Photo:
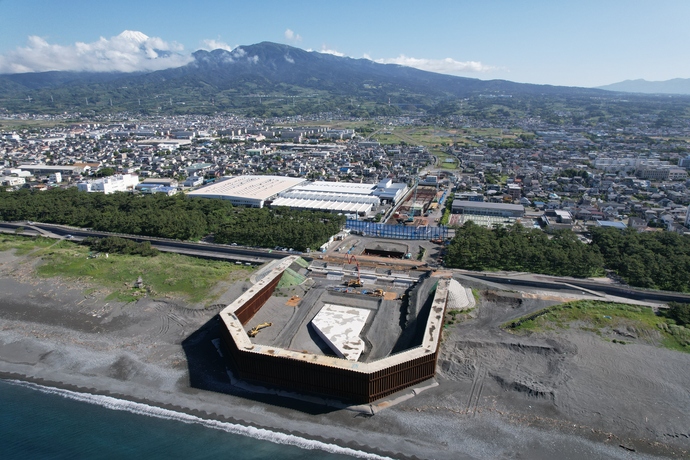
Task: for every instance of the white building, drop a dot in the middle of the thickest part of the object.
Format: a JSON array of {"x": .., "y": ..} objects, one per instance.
[
  {"x": 12, "y": 181},
  {"x": 251, "y": 191},
  {"x": 112, "y": 184}
]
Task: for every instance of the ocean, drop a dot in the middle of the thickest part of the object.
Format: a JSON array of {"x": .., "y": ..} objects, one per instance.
[{"x": 39, "y": 422}]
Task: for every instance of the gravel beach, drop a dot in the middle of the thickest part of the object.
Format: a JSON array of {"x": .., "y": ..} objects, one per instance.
[{"x": 567, "y": 394}]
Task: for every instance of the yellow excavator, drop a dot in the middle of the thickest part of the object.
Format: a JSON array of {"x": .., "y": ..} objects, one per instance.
[
  {"x": 376, "y": 293},
  {"x": 358, "y": 281},
  {"x": 255, "y": 330}
]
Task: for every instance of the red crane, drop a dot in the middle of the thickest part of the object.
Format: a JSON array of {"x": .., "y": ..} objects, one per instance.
[{"x": 358, "y": 282}]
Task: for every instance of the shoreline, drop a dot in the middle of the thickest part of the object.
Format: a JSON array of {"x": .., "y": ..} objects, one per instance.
[
  {"x": 568, "y": 395},
  {"x": 188, "y": 415}
]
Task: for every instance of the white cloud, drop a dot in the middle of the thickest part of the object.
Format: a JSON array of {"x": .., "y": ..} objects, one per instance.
[
  {"x": 326, "y": 50},
  {"x": 447, "y": 66},
  {"x": 289, "y": 59},
  {"x": 291, "y": 36},
  {"x": 211, "y": 44},
  {"x": 128, "y": 52}
]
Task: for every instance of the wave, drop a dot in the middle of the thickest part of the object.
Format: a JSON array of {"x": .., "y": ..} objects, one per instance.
[{"x": 152, "y": 411}]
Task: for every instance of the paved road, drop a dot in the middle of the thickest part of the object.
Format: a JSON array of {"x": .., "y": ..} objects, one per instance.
[
  {"x": 573, "y": 284},
  {"x": 206, "y": 250},
  {"x": 260, "y": 256}
]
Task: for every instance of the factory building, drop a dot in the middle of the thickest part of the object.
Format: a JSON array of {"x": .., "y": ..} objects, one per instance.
[
  {"x": 46, "y": 170},
  {"x": 478, "y": 208},
  {"x": 338, "y": 197},
  {"x": 249, "y": 191}
]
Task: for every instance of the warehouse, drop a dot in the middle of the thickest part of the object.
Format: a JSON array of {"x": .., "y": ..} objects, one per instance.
[
  {"x": 250, "y": 191},
  {"x": 339, "y": 197},
  {"x": 322, "y": 201},
  {"x": 480, "y": 208},
  {"x": 343, "y": 197}
]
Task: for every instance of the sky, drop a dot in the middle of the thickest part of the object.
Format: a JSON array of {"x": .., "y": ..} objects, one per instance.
[{"x": 558, "y": 42}]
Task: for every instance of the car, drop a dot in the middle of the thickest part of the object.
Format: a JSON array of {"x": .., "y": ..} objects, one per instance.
[{"x": 69, "y": 237}]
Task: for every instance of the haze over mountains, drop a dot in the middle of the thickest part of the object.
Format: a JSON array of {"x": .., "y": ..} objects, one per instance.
[
  {"x": 231, "y": 80},
  {"x": 674, "y": 86}
]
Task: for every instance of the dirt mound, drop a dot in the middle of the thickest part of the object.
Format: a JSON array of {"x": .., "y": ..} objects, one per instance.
[{"x": 529, "y": 369}]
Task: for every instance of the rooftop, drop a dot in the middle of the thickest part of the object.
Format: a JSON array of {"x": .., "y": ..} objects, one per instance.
[{"x": 250, "y": 187}]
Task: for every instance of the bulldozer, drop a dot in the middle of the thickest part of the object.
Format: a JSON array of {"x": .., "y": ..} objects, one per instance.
[{"x": 255, "y": 330}]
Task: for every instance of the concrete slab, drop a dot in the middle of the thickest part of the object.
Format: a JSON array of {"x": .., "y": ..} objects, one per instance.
[{"x": 340, "y": 327}]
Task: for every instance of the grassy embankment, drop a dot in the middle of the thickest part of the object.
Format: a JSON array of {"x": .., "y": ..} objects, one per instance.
[
  {"x": 188, "y": 278},
  {"x": 604, "y": 318}
]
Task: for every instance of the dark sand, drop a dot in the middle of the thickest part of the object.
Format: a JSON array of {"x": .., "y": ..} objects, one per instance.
[{"x": 567, "y": 395}]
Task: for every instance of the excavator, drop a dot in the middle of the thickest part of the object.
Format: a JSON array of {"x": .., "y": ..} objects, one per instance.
[
  {"x": 358, "y": 281},
  {"x": 376, "y": 293},
  {"x": 255, "y": 330}
]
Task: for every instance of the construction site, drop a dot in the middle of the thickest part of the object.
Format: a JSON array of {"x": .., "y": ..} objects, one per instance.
[
  {"x": 339, "y": 331},
  {"x": 418, "y": 206}
]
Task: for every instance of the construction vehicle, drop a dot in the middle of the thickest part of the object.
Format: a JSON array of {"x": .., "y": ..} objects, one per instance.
[
  {"x": 255, "y": 330},
  {"x": 375, "y": 293},
  {"x": 358, "y": 281}
]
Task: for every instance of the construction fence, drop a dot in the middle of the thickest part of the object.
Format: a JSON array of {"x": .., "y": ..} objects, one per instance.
[{"x": 403, "y": 232}]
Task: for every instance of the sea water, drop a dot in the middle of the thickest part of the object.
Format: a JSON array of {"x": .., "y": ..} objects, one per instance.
[{"x": 39, "y": 422}]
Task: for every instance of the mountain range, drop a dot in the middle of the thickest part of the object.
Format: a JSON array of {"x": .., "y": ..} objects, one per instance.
[
  {"x": 674, "y": 86},
  {"x": 260, "y": 79}
]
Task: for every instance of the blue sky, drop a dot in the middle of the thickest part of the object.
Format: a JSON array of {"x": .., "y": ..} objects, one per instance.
[{"x": 575, "y": 43}]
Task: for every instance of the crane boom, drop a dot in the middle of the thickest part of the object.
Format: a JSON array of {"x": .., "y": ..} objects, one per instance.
[{"x": 350, "y": 258}]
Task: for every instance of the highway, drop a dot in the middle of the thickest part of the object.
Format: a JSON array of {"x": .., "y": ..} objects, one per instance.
[
  {"x": 573, "y": 284},
  {"x": 256, "y": 256},
  {"x": 206, "y": 250}
]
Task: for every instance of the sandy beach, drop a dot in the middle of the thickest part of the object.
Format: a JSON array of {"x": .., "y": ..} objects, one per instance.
[{"x": 567, "y": 394}]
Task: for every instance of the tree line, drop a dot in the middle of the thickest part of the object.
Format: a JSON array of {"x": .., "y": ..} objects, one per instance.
[
  {"x": 283, "y": 227},
  {"x": 117, "y": 245},
  {"x": 520, "y": 249},
  {"x": 176, "y": 217},
  {"x": 655, "y": 260}
]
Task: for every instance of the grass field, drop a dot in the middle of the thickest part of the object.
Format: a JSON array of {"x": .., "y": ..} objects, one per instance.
[
  {"x": 430, "y": 136},
  {"x": 604, "y": 318},
  {"x": 12, "y": 124},
  {"x": 189, "y": 278},
  {"x": 23, "y": 245},
  {"x": 442, "y": 157}
]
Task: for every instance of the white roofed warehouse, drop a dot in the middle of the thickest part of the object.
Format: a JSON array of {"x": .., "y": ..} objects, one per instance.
[
  {"x": 296, "y": 193},
  {"x": 249, "y": 191}
]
